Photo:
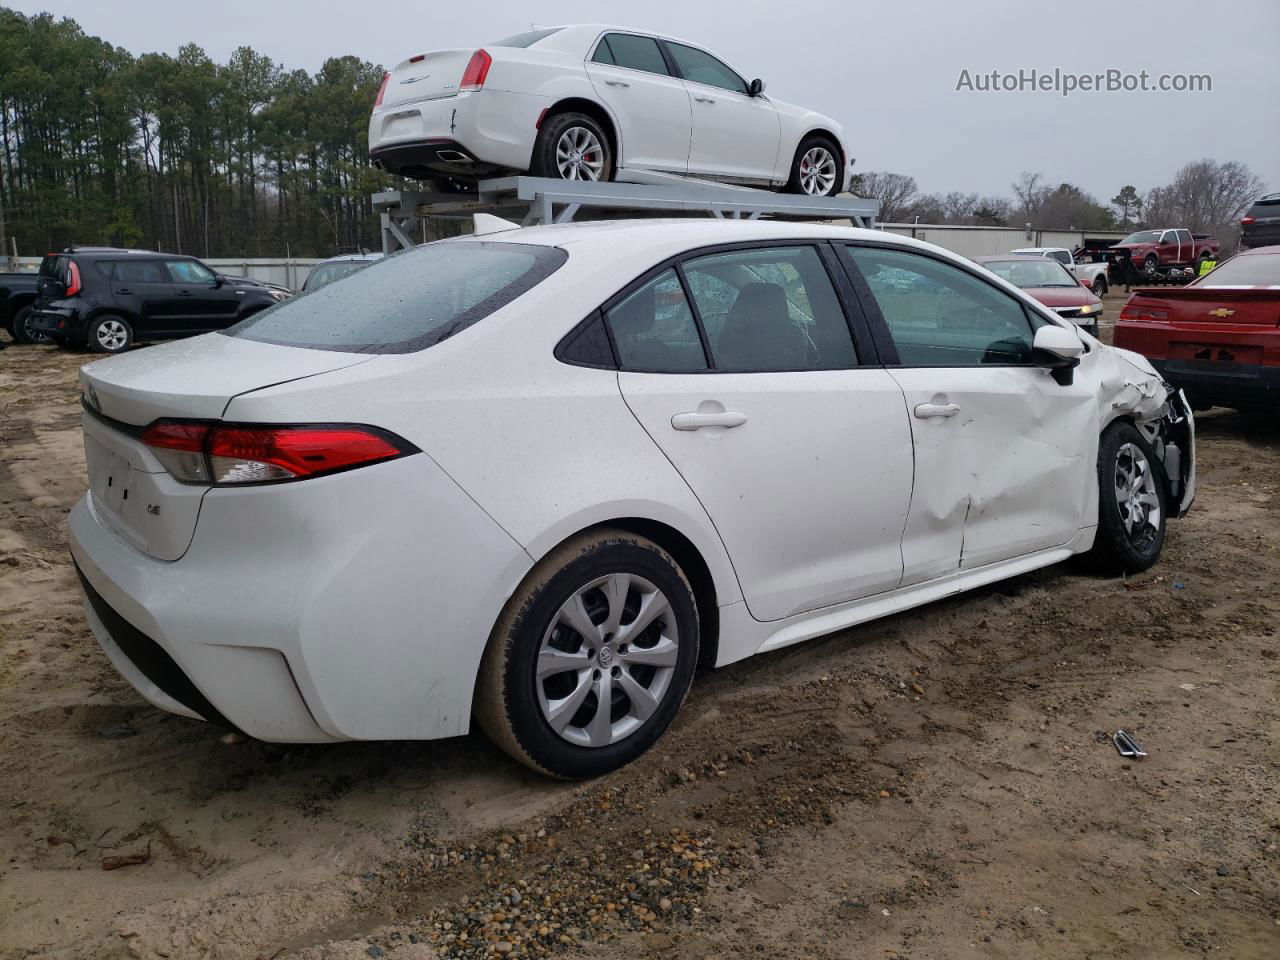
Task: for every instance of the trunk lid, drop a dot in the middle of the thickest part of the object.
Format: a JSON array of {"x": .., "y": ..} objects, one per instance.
[
  {"x": 1202, "y": 304},
  {"x": 130, "y": 491},
  {"x": 437, "y": 74}
]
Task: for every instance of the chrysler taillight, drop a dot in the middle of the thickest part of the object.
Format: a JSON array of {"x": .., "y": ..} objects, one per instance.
[
  {"x": 382, "y": 90},
  {"x": 477, "y": 71},
  {"x": 216, "y": 453}
]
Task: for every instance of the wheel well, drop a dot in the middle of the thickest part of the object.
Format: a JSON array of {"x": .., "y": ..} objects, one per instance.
[
  {"x": 695, "y": 568},
  {"x": 823, "y": 132},
  {"x": 595, "y": 112}
]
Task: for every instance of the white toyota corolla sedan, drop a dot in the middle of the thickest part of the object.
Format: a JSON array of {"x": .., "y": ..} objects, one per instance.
[
  {"x": 537, "y": 476},
  {"x": 591, "y": 102}
]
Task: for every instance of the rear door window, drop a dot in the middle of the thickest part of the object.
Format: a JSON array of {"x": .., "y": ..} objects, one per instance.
[{"x": 408, "y": 301}]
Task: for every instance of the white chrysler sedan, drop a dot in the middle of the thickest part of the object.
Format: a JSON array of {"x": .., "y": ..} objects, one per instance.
[
  {"x": 591, "y": 102},
  {"x": 537, "y": 476}
]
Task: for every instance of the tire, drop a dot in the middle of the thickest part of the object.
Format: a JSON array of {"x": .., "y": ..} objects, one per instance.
[
  {"x": 22, "y": 332},
  {"x": 1122, "y": 546},
  {"x": 515, "y": 706},
  {"x": 813, "y": 175},
  {"x": 572, "y": 146},
  {"x": 1151, "y": 263},
  {"x": 109, "y": 334},
  {"x": 1099, "y": 287}
]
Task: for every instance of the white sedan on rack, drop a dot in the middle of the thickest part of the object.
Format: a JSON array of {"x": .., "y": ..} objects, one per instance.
[
  {"x": 537, "y": 476},
  {"x": 591, "y": 102}
]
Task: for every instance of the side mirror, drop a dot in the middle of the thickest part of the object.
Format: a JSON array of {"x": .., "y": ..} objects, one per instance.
[
  {"x": 217, "y": 281},
  {"x": 756, "y": 87},
  {"x": 1058, "y": 349}
]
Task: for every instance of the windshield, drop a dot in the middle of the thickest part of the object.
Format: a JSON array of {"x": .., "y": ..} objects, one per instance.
[
  {"x": 326, "y": 273},
  {"x": 1032, "y": 273},
  {"x": 407, "y": 301},
  {"x": 1143, "y": 236},
  {"x": 1255, "y": 270}
]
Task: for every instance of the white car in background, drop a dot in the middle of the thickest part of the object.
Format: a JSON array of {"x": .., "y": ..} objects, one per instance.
[
  {"x": 591, "y": 102},
  {"x": 537, "y": 476}
]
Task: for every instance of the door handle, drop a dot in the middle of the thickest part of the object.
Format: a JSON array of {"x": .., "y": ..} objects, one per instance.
[
  {"x": 928, "y": 411},
  {"x": 617, "y": 83},
  {"x": 124, "y": 290},
  {"x": 704, "y": 99},
  {"x": 184, "y": 293},
  {"x": 696, "y": 421}
]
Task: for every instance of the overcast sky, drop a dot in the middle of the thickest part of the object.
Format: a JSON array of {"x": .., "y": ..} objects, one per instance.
[{"x": 887, "y": 70}]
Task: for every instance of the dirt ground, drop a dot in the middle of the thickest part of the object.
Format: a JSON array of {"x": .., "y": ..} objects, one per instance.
[{"x": 935, "y": 785}]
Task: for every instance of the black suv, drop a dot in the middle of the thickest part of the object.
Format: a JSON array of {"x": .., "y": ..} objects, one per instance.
[
  {"x": 106, "y": 298},
  {"x": 1260, "y": 226}
]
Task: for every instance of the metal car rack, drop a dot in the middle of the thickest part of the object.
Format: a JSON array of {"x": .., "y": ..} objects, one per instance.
[{"x": 543, "y": 200}]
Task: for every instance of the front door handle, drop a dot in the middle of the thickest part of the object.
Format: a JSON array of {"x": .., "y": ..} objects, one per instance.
[
  {"x": 696, "y": 421},
  {"x": 928, "y": 411},
  {"x": 184, "y": 293},
  {"x": 124, "y": 290},
  {"x": 704, "y": 99},
  {"x": 617, "y": 83}
]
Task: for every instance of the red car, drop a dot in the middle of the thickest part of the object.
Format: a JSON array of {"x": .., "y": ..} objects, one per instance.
[
  {"x": 1217, "y": 338},
  {"x": 1050, "y": 282},
  {"x": 1157, "y": 251}
]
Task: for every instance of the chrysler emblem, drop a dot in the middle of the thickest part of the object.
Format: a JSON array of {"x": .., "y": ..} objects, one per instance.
[{"x": 1222, "y": 313}]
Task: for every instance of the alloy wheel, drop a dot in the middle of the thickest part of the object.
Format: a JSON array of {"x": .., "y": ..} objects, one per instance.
[
  {"x": 1137, "y": 499},
  {"x": 112, "y": 335},
  {"x": 606, "y": 660},
  {"x": 33, "y": 335},
  {"x": 817, "y": 171},
  {"x": 579, "y": 155}
]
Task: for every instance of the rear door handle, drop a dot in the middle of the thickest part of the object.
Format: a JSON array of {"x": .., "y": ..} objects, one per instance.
[
  {"x": 617, "y": 83},
  {"x": 184, "y": 293},
  {"x": 124, "y": 290},
  {"x": 696, "y": 421},
  {"x": 928, "y": 411}
]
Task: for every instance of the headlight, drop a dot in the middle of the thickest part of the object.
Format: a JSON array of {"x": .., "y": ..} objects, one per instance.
[
  {"x": 279, "y": 295},
  {"x": 1090, "y": 308}
]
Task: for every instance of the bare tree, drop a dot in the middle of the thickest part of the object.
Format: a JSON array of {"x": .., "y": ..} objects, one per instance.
[
  {"x": 895, "y": 191},
  {"x": 1204, "y": 196},
  {"x": 958, "y": 207},
  {"x": 1031, "y": 193}
]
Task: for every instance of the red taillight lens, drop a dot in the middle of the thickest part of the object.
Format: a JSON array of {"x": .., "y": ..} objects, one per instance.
[
  {"x": 418, "y": 59},
  {"x": 382, "y": 90},
  {"x": 477, "y": 71},
  {"x": 1143, "y": 313},
  {"x": 213, "y": 453},
  {"x": 1245, "y": 221},
  {"x": 73, "y": 282}
]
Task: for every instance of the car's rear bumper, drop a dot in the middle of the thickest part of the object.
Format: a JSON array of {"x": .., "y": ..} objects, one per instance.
[
  {"x": 349, "y": 607},
  {"x": 465, "y": 136},
  {"x": 1221, "y": 383}
]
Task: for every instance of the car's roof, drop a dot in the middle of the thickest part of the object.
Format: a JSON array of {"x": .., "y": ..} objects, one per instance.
[
  {"x": 352, "y": 258},
  {"x": 1265, "y": 251},
  {"x": 1009, "y": 256}
]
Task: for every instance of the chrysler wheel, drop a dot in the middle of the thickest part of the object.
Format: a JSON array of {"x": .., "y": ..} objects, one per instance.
[
  {"x": 572, "y": 146},
  {"x": 817, "y": 172},
  {"x": 1131, "y": 502},
  {"x": 592, "y": 657},
  {"x": 109, "y": 335},
  {"x": 579, "y": 155}
]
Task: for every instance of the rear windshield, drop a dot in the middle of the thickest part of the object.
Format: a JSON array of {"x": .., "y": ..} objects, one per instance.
[
  {"x": 407, "y": 301},
  {"x": 1257, "y": 269},
  {"x": 1266, "y": 207},
  {"x": 525, "y": 39},
  {"x": 54, "y": 266}
]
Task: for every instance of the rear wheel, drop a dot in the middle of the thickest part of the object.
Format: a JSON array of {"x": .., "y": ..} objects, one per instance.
[
  {"x": 22, "y": 329},
  {"x": 572, "y": 146},
  {"x": 815, "y": 170},
  {"x": 1099, "y": 286},
  {"x": 110, "y": 334},
  {"x": 1131, "y": 502},
  {"x": 592, "y": 657}
]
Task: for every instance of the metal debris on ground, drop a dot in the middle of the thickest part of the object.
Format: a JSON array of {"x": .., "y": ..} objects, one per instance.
[{"x": 1127, "y": 746}]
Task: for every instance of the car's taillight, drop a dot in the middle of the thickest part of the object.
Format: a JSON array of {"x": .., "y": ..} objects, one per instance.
[
  {"x": 382, "y": 90},
  {"x": 477, "y": 70},
  {"x": 73, "y": 281},
  {"x": 1143, "y": 313},
  {"x": 197, "y": 452},
  {"x": 1245, "y": 221}
]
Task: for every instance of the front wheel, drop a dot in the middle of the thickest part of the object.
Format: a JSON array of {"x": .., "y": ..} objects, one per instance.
[
  {"x": 572, "y": 146},
  {"x": 1131, "y": 502},
  {"x": 1151, "y": 264},
  {"x": 591, "y": 658},
  {"x": 110, "y": 335},
  {"x": 815, "y": 170}
]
